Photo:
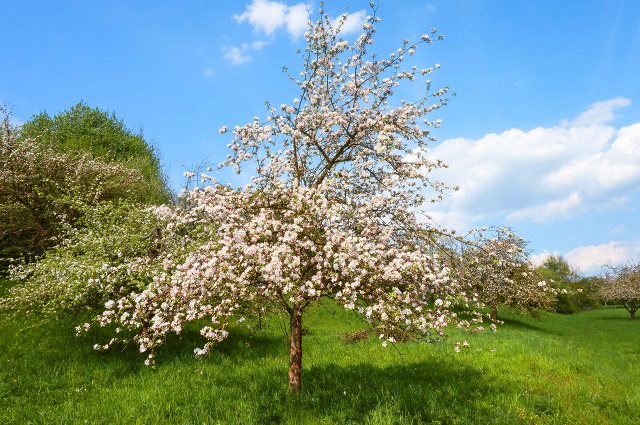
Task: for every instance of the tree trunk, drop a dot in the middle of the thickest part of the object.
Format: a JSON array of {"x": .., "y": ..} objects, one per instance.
[
  {"x": 295, "y": 351},
  {"x": 631, "y": 308},
  {"x": 494, "y": 314}
]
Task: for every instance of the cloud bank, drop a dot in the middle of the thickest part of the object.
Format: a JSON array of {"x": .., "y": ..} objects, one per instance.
[
  {"x": 546, "y": 175},
  {"x": 590, "y": 259}
]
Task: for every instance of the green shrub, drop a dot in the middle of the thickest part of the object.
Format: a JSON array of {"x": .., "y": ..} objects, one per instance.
[
  {"x": 564, "y": 304},
  {"x": 67, "y": 279}
]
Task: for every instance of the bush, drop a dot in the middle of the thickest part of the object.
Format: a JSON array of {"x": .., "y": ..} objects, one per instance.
[
  {"x": 67, "y": 279},
  {"x": 564, "y": 304},
  {"x": 46, "y": 189}
]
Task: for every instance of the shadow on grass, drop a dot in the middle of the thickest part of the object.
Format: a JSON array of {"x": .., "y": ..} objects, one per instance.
[
  {"x": 519, "y": 324},
  {"x": 444, "y": 391},
  {"x": 625, "y": 318},
  {"x": 418, "y": 392}
]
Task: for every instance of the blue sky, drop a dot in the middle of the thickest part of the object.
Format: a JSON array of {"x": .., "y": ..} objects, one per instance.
[{"x": 543, "y": 135}]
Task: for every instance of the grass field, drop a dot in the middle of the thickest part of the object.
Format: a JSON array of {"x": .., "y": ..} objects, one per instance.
[{"x": 577, "y": 369}]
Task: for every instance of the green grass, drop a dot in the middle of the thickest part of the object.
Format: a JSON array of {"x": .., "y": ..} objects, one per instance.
[{"x": 578, "y": 369}]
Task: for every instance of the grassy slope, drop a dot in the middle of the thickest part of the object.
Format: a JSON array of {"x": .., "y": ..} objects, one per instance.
[{"x": 579, "y": 369}]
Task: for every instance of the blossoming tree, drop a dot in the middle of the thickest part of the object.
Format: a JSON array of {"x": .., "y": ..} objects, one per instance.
[
  {"x": 622, "y": 284},
  {"x": 332, "y": 211},
  {"x": 111, "y": 251},
  {"x": 43, "y": 191},
  {"x": 497, "y": 270}
]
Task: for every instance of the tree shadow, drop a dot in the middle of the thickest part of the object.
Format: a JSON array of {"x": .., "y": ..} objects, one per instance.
[
  {"x": 427, "y": 389},
  {"x": 519, "y": 324},
  {"x": 424, "y": 390},
  {"x": 434, "y": 391},
  {"x": 626, "y": 318}
]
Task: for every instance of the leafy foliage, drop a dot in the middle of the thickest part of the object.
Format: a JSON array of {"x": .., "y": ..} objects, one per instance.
[
  {"x": 82, "y": 130},
  {"x": 67, "y": 280},
  {"x": 573, "y": 291},
  {"x": 44, "y": 192}
]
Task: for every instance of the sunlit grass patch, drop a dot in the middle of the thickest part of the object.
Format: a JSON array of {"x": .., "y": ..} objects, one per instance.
[{"x": 581, "y": 368}]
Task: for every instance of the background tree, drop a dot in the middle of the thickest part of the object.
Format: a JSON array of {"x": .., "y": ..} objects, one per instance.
[
  {"x": 575, "y": 292},
  {"x": 498, "y": 271},
  {"x": 585, "y": 292},
  {"x": 556, "y": 267},
  {"x": 82, "y": 130},
  {"x": 621, "y": 284},
  {"x": 44, "y": 188}
]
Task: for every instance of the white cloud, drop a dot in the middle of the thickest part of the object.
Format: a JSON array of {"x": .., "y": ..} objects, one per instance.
[
  {"x": 236, "y": 55},
  {"x": 268, "y": 16},
  {"x": 542, "y": 174},
  {"x": 599, "y": 113},
  {"x": 590, "y": 259},
  {"x": 264, "y": 15},
  {"x": 257, "y": 45},
  {"x": 538, "y": 259},
  {"x": 452, "y": 220},
  {"x": 297, "y": 19},
  {"x": 554, "y": 209},
  {"x": 240, "y": 54}
]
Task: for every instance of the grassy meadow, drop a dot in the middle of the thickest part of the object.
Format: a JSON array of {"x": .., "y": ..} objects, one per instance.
[{"x": 576, "y": 369}]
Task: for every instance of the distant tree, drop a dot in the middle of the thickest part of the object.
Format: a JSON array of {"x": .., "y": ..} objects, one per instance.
[
  {"x": 585, "y": 292},
  {"x": 82, "y": 130},
  {"x": 572, "y": 294},
  {"x": 621, "y": 284},
  {"x": 44, "y": 191},
  {"x": 556, "y": 267},
  {"x": 497, "y": 270},
  {"x": 560, "y": 274}
]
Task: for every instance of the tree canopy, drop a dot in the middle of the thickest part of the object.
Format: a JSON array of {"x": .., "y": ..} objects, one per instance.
[
  {"x": 574, "y": 292},
  {"x": 498, "y": 270}
]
